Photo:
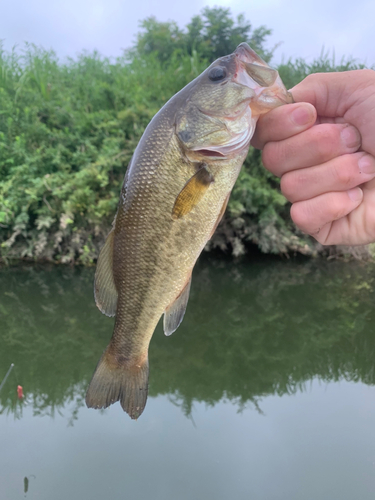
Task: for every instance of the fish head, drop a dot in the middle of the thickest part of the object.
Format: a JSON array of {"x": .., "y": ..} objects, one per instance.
[{"x": 222, "y": 105}]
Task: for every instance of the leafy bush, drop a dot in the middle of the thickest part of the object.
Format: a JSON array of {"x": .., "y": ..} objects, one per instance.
[{"x": 68, "y": 130}]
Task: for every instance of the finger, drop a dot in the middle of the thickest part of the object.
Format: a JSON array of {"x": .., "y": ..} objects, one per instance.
[
  {"x": 314, "y": 146},
  {"x": 340, "y": 174},
  {"x": 332, "y": 94},
  {"x": 283, "y": 122},
  {"x": 358, "y": 227},
  {"x": 311, "y": 216},
  {"x": 347, "y": 94},
  {"x": 327, "y": 119}
]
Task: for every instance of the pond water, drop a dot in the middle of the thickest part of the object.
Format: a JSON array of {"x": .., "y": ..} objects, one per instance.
[{"x": 265, "y": 392}]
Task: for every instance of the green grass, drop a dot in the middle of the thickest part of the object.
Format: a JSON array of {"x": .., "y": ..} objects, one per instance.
[{"x": 67, "y": 132}]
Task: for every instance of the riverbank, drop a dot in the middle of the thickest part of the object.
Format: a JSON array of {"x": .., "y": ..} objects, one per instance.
[{"x": 68, "y": 131}]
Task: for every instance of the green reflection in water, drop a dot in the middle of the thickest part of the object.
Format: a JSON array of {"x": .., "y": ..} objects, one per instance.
[{"x": 251, "y": 329}]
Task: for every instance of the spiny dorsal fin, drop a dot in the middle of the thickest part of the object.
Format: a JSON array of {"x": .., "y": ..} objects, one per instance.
[
  {"x": 192, "y": 193},
  {"x": 104, "y": 288},
  {"x": 174, "y": 313}
]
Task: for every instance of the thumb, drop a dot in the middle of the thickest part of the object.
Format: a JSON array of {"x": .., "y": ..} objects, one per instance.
[{"x": 332, "y": 94}]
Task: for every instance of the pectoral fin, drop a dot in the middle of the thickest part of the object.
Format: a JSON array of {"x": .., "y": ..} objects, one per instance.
[
  {"x": 104, "y": 287},
  {"x": 192, "y": 193},
  {"x": 174, "y": 313}
]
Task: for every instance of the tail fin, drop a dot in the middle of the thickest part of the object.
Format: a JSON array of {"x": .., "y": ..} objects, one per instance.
[{"x": 115, "y": 381}]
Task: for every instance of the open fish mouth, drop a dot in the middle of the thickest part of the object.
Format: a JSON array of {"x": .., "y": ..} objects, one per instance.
[
  {"x": 255, "y": 73},
  {"x": 238, "y": 143}
]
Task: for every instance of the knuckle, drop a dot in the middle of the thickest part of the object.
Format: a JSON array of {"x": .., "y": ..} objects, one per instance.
[
  {"x": 291, "y": 183},
  {"x": 300, "y": 216},
  {"x": 343, "y": 174},
  {"x": 321, "y": 236},
  {"x": 311, "y": 215},
  {"x": 368, "y": 74},
  {"x": 270, "y": 156},
  {"x": 286, "y": 186},
  {"x": 337, "y": 210},
  {"x": 257, "y": 141},
  {"x": 326, "y": 140},
  {"x": 278, "y": 156},
  {"x": 310, "y": 79}
]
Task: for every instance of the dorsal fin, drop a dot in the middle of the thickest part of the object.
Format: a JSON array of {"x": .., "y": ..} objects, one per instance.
[
  {"x": 174, "y": 313},
  {"x": 104, "y": 287}
]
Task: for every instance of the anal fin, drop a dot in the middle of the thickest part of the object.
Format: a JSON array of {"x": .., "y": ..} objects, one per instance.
[
  {"x": 104, "y": 287},
  {"x": 174, "y": 313},
  {"x": 191, "y": 194}
]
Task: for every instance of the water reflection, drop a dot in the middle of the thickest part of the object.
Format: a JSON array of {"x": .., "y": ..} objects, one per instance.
[{"x": 252, "y": 329}]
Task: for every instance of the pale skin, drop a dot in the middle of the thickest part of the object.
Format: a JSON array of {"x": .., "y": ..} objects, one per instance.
[{"x": 323, "y": 148}]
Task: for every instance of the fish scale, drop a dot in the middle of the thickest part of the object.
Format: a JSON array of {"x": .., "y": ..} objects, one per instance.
[{"x": 174, "y": 195}]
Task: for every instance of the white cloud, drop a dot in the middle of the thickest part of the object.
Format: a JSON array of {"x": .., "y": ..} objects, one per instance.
[{"x": 110, "y": 25}]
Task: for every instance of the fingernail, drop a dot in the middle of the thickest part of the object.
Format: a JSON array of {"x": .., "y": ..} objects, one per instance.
[
  {"x": 351, "y": 137},
  {"x": 302, "y": 115},
  {"x": 355, "y": 194},
  {"x": 366, "y": 165}
]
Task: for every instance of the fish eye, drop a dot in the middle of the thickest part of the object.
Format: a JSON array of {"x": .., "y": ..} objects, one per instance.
[{"x": 217, "y": 73}]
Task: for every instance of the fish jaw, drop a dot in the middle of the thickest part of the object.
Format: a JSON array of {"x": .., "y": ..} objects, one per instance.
[
  {"x": 266, "y": 83},
  {"x": 263, "y": 91},
  {"x": 240, "y": 132}
]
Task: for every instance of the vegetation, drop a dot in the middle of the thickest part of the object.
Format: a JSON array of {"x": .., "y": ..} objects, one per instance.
[
  {"x": 251, "y": 329},
  {"x": 68, "y": 130}
]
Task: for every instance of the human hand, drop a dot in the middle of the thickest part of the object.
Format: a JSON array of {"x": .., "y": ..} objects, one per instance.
[{"x": 323, "y": 148}]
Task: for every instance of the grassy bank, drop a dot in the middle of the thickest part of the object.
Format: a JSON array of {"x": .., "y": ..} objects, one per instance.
[{"x": 68, "y": 130}]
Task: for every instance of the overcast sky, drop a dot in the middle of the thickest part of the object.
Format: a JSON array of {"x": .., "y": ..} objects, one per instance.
[{"x": 303, "y": 26}]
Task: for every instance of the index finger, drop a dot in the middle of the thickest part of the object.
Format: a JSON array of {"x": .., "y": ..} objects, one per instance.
[{"x": 283, "y": 122}]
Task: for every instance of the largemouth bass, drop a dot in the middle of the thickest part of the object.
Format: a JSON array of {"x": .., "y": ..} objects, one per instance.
[{"x": 174, "y": 195}]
